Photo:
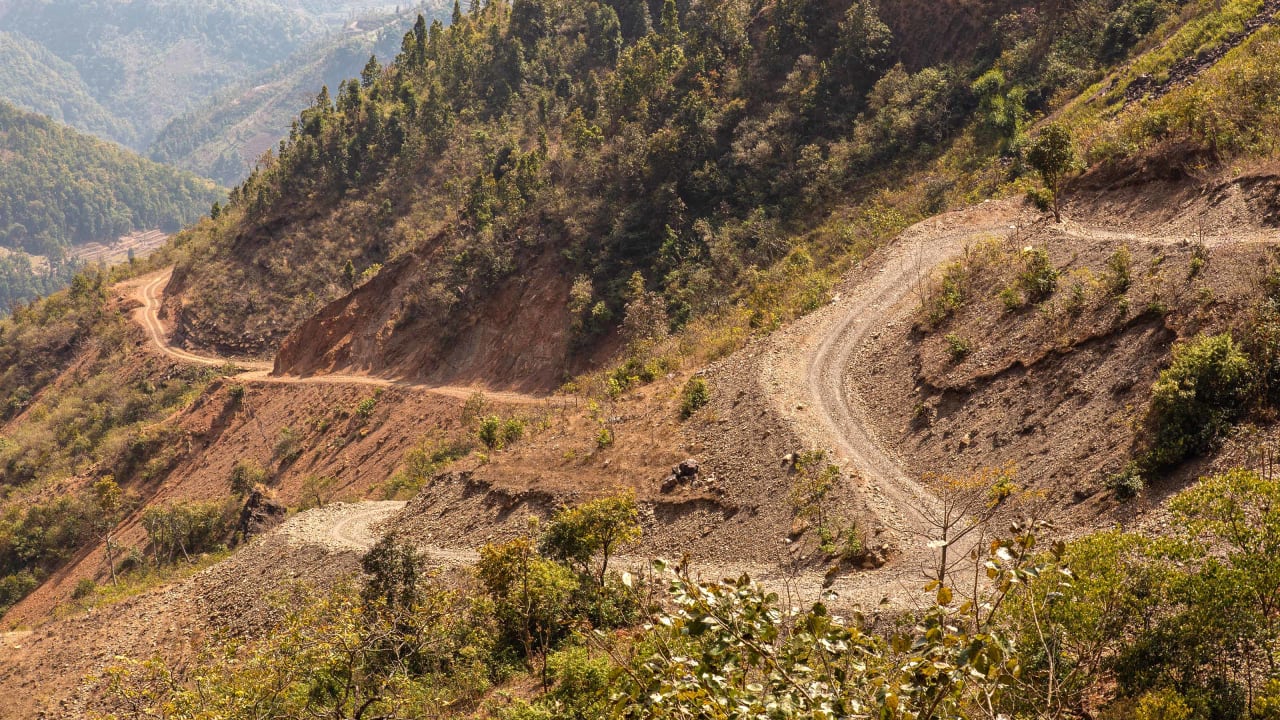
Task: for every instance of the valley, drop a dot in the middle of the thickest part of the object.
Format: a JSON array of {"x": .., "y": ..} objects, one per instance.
[{"x": 611, "y": 359}]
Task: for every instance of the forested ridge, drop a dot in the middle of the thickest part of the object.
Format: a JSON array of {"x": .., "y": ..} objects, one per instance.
[
  {"x": 697, "y": 144},
  {"x": 59, "y": 188},
  {"x": 224, "y": 136}
]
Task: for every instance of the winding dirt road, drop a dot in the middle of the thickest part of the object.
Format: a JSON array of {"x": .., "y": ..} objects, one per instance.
[
  {"x": 809, "y": 371},
  {"x": 149, "y": 291}
]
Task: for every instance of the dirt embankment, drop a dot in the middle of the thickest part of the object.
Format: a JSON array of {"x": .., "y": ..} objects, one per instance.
[{"x": 518, "y": 338}]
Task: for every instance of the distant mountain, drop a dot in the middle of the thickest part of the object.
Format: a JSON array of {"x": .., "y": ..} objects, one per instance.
[
  {"x": 34, "y": 78},
  {"x": 228, "y": 75},
  {"x": 60, "y": 188},
  {"x": 147, "y": 61},
  {"x": 223, "y": 138}
]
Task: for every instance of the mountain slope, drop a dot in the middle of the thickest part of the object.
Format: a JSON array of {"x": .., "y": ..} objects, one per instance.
[
  {"x": 151, "y": 60},
  {"x": 59, "y": 188},
  {"x": 696, "y": 148},
  {"x": 223, "y": 137},
  {"x": 34, "y": 78}
]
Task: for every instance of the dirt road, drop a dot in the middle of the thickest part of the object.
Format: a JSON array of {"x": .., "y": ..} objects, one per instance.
[
  {"x": 149, "y": 291},
  {"x": 810, "y": 368}
]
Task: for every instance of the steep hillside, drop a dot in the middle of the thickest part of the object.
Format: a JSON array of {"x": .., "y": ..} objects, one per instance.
[
  {"x": 696, "y": 150},
  {"x": 956, "y": 325},
  {"x": 59, "y": 188},
  {"x": 223, "y": 137}
]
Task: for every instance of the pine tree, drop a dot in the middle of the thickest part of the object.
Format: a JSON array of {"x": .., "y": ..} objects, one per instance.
[
  {"x": 457, "y": 12},
  {"x": 371, "y": 72},
  {"x": 670, "y": 19},
  {"x": 420, "y": 38}
]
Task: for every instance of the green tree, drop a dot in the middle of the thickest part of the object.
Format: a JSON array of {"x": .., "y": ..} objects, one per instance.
[
  {"x": 1053, "y": 156},
  {"x": 372, "y": 70},
  {"x": 532, "y": 595},
  {"x": 350, "y": 275},
  {"x": 109, "y": 500},
  {"x": 579, "y": 535}
]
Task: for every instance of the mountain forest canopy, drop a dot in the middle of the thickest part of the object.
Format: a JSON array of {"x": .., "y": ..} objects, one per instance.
[
  {"x": 59, "y": 188},
  {"x": 124, "y": 70},
  {"x": 689, "y": 142}
]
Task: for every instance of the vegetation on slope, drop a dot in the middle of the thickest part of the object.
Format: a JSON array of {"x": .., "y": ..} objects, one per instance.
[
  {"x": 698, "y": 145},
  {"x": 148, "y": 61},
  {"x": 66, "y": 468},
  {"x": 31, "y": 77},
  {"x": 59, "y": 188},
  {"x": 1113, "y": 625}
]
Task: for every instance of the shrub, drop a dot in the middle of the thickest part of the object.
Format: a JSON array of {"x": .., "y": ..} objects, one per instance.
[
  {"x": 490, "y": 432},
  {"x": 1039, "y": 278},
  {"x": 84, "y": 588},
  {"x": 512, "y": 431},
  {"x": 532, "y": 596},
  {"x": 366, "y": 407},
  {"x": 246, "y": 475},
  {"x": 317, "y": 490},
  {"x": 1119, "y": 272},
  {"x": 186, "y": 528},
  {"x": 949, "y": 295},
  {"x": 604, "y": 438},
  {"x": 582, "y": 684},
  {"x": 957, "y": 347},
  {"x": 1040, "y": 198},
  {"x": 1011, "y": 299},
  {"x": 423, "y": 462},
  {"x": 288, "y": 447},
  {"x": 15, "y": 587},
  {"x": 1127, "y": 483},
  {"x": 694, "y": 397},
  {"x": 474, "y": 408},
  {"x": 1196, "y": 399},
  {"x": 814, "y": 480}
]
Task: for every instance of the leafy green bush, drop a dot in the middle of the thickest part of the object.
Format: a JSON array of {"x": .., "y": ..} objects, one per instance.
[
  {"x": 84, "y": 588},
  {"x": 365, "y": 408},
  {"x": 1194, "y": 401},
  {"x": 604, "y": 438},
  {"x": 949, "y": 294},
  {"x": 1127, "y": 483},
  {"x": 597, "y": 529},
  {"x": 1119, "y": 271},
  {"x": 247, "y": 475},
  {"x": 490, "y": 432},
  {"x": 1039, "y": 278},
  {"x": 694, "y": 397},
  {"x": 423, "y": 463},
  {"x": 958, "y": 348},
  {"x": 187, "y": 529},
  {"x": 497, "y": 433}
]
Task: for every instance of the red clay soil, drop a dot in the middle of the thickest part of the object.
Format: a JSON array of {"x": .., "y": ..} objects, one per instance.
[{"x": 517, "y": 339}]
